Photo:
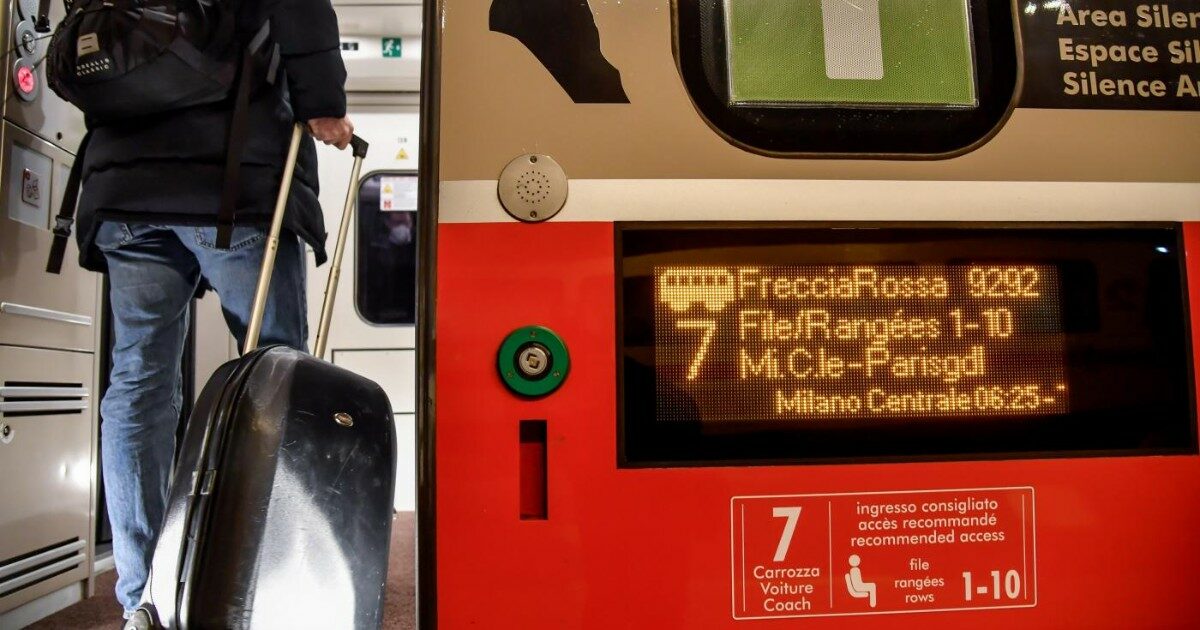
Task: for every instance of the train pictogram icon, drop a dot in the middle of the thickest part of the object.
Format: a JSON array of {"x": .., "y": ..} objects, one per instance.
[{"x": 711, "y": 287}]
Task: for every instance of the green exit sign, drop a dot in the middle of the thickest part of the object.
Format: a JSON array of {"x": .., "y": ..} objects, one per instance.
[
  {"x": 864, "y": 52},
  {"x": 391, "y": 46}
]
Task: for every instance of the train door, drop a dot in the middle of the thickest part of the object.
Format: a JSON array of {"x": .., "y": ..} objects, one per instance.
[
  {"x": 870, "y": 314},
  {"x": 374, "y": 322}
]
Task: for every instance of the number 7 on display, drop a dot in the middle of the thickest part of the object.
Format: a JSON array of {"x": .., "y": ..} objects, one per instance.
[{"x": 792, "y": 514}]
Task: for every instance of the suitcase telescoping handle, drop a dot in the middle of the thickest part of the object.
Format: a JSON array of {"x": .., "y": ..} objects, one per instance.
[
  {"x": 335, "y": 266},
  {"x": 359, "y": 148}
]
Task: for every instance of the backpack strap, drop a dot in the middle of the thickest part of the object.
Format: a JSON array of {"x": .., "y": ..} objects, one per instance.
[
  {"x": 41, "y": 22},
  {"x": 236, "y": 140},
  {"x": 66, "y": 210},
  {"x": 233, "y": 154}
]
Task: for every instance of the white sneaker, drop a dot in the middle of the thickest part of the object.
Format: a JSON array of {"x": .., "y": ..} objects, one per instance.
[{"x": 139, "y": 621}]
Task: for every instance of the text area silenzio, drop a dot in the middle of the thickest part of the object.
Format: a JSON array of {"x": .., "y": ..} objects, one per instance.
[
  {"x": 1111, "y": 54},
  {"x": 882, "y": 553}
]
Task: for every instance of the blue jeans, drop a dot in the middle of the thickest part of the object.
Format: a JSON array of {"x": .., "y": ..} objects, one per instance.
[{"x": 153, "y": 272}]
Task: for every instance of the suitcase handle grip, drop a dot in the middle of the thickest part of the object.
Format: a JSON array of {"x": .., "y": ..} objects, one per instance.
[
  {"x": 254, "y": 328},
  {"x": 358, "y": 146}
]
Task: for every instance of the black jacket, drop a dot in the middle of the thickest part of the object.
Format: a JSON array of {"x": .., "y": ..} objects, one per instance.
[{"x": 168, "y": 169}]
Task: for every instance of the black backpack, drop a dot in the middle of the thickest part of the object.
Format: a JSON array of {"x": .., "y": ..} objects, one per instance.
[{"x": 118, "y": 60}]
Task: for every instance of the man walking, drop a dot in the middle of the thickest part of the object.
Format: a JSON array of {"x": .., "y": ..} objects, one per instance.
[{"x": 147, "y": 217}]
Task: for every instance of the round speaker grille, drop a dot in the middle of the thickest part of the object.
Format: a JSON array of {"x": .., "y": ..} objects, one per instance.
[{"x": 532, "y": 187}]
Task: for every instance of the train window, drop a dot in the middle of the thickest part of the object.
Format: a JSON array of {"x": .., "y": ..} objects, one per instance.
[
  {"x": 829, "y": 77},
  {"x": 791, "y": 344},
  {"x": 802, "y": 53},
  {"x": 385, "y": 290}
]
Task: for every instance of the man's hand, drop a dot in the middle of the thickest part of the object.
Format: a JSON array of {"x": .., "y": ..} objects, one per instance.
[{"x": 334, "y": 131}]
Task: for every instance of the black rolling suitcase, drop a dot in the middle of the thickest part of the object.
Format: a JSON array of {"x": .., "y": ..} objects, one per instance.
[{"x": 279, "y": 515}]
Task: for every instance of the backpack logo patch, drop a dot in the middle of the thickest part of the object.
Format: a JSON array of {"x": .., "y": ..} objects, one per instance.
[{"x": 87, "y": 44}]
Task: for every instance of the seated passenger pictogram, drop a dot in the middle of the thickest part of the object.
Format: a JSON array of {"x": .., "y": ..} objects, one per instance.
[
  {"x": 855, "y": 584},
  {"x": 709, "y": 286}
]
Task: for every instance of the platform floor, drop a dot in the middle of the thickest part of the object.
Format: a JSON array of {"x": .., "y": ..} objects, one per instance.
[{"x": 103, "y": 613}]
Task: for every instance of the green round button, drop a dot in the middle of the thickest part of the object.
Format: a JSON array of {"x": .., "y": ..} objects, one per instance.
[{"x": 533, "y": 361}]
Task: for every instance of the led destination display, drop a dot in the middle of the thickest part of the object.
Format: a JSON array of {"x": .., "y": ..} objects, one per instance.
[
  {"x": 851, "y": 342},
  {"x": 740, "y": 342}
]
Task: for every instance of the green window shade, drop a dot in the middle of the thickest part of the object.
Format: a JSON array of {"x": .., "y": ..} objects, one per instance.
[{"x": 850, "y": 52}]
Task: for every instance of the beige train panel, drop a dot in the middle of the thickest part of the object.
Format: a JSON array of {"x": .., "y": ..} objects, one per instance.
[
  {"x": 6, "y": 28},
  {"x": 48, "y": 115},
  {"x": 498, "y": 102},
  {"x": 46, "y": 464},
  {"x": 37, "y": 308},
  {"x": 475, "y": 201}
]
